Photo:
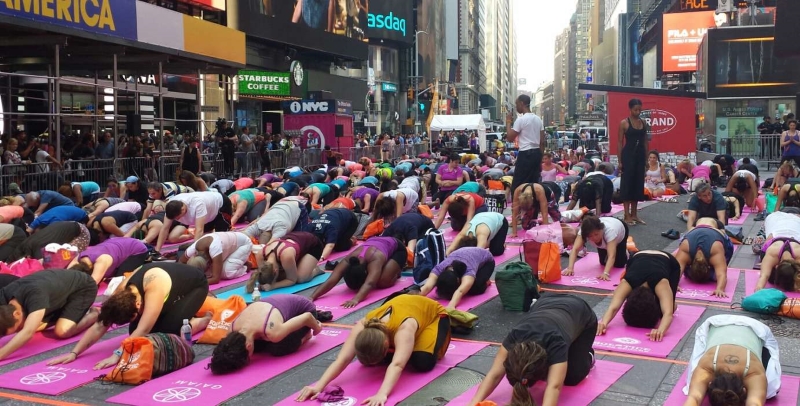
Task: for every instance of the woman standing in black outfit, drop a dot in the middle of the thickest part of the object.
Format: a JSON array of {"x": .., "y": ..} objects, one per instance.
[{"x": 632, "y": 161}]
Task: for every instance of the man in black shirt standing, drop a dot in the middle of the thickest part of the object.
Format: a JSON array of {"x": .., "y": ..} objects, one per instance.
[
  {"x": 227, "y": 138},
  {"x": 59, "y": 298}
]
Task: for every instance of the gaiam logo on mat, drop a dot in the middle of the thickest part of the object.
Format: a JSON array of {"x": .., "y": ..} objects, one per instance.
[
  {"x": 42, "y": 378},
  {"x": 175, "y": 395},
  {"x": 660, "y": 121},
  {"x": 627, "y": 341},
  {"x": 347, "y": 401}
]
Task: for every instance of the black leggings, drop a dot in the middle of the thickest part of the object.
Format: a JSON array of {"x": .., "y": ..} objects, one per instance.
[
  {"x": 8, "y": 248},
  {"x": 482, "y": 278},
  {"x": 177, "y": 309},
  {"x": 497, "y": 246},
  {"x": 222, "y": 222},
  {"x": 622, "y": 251},
  {"x": 579, "y": 360},
  {"x": 424, "y": 361},
  {"x": 130, "y": 264}
]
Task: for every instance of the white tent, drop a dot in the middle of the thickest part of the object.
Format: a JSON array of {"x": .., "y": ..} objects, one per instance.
[{"x": 465, "y": 122}]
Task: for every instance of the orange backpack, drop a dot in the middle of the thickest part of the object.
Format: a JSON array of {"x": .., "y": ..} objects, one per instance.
[
  {"x": 224, "y": 311},
  {"x": 145, "y": 358}
]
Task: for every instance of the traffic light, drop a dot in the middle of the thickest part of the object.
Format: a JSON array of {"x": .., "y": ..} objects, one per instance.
[
  {"x": 422, "y": 108},
  {"x": 411, "y": 91}
]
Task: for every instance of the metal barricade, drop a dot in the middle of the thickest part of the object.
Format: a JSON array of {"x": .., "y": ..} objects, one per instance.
[
  {"x": 277, "y": 160},
  {"x": 212, "y": 162},
  {"x": 94, "y": 170},
  {"x": 312, "y": 158},
  {"x": 420, "y": 148},
  {"x": 294, "y": 157},
  {"x": 168, "y": 167},
  {"x": 762, "y": 148},
  {"x": 139, "y": 166},
  {"x": 30, "y": 177}
]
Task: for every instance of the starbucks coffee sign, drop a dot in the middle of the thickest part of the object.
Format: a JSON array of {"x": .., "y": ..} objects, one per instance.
[{"x": 263, "y": 83}]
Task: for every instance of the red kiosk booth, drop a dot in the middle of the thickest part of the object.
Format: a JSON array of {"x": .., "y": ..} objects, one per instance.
[{"x": 320, "y": 123}]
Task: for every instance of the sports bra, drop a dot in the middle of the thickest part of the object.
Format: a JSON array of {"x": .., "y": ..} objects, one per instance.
[{"x": 746, "y": 366}]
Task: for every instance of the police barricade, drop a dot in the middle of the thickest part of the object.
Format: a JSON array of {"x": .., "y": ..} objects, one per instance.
[
  {"x": 277, "y": 160},
  {"x": 212, "y": 162},
  {"x": 169, "y": 168},
  {"x": 94, "y": 170},
  {"x": 418, "y": 149},
  {"x": 294, "y": 157},
  {"x": 30, "y": 177},
  {"x": 141, "y": 166},
  {"x": 762, "y": 148},
  {"x": 312, "y": 158}
]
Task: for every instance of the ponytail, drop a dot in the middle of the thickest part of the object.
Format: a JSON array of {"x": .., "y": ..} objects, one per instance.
[{"x": 525, "y": 365}]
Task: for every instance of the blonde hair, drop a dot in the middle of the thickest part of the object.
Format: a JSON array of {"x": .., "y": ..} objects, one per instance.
[
  {"x": 371, "y": 342},
  {"x": 526, "y": 200}
]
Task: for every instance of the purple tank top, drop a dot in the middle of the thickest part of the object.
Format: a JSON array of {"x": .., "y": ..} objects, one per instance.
[
  {"x": 118, "y": 248},
  {"x": 386, "y": 245},
  {"x": 360, "y": 193},
  {"x": 290, "y": 305}
]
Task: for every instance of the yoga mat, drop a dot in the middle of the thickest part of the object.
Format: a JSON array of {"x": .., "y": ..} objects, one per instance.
[
  {"x": 631, "y": 340},
  {"x": 335, "y": 256},
  {"x": 57, "y": 379},
  {"x": 704, "y": 291},
  {"x": 40, "y": 343},
  {"x": 587, "y": 269},
  {"x": 600, "y": 378},
  {"x": 516, "y": 240},
  {"x": 511, "y": 253},
  {"x": 199, "y": 385},
  {"x": 288, "y": 290},
  {"x": 229, "y": 282},
  {"x": 787, "y": 395},
  {"x": 449, "y": 235},
  {"x": 751, "y": 279},
  {"x": 741, "y": 220},
  {"x": 360, "y": 382},
  {"x": 332, "y": 301},
  {"x": 468, "y": 303}
]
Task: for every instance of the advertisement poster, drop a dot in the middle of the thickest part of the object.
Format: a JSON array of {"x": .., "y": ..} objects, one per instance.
[
  {"x": 671, "y": 120},
  {"x": 683, "y": 33}
]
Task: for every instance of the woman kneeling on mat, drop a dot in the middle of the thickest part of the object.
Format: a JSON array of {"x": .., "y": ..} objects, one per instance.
[
  {"x": 394, "y": 203},
  {"x": 407, "y": 329},
  {"x": 531, "y": 199},
  {"x": 553, "y": 343},
  {"x": 609, "y": 235},
  {"x": 465, "y": 272},
  {"x": 227, "y": 251},
  {"x": 594, "y": 192},
  {"x": 780, "y": 255},
  {"x": 376, "y": 263},
  {"x": 735, "y": 362},
  {"x": 648, "y": 290},
  {"x": 704, "y": 254},
  {"x": 244, "y": 200},
  {"x": 485, "y": 230},
  {"x": 156, "y": 298},
  {"x": 745, "y": 184},
  {"x": 111, "y": 258},
  {"x": 260, "y": 329},
  {"x": 287, "y": 261}
]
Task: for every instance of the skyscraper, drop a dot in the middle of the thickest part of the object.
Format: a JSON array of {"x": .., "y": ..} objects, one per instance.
[{"x": 499, "y": 57}]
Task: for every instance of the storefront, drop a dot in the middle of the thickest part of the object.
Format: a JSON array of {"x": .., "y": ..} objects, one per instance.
[
  {"x": 744, "y": 83},
  {"x": 259, "y": 96}
]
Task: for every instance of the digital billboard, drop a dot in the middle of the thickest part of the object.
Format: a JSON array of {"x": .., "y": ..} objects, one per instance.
[
  {"x": 391, "y": 20},
  {"x": 332, "y": 27},
  {"x": 741, "y": 64},
  {"x": 683, "y": 33}
]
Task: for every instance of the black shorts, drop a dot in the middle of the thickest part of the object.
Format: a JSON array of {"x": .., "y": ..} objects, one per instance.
[{"x": 400, "y": 255}]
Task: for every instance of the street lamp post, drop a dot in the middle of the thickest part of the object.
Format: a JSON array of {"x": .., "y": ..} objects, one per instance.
[{"x": 416, "y": 81}]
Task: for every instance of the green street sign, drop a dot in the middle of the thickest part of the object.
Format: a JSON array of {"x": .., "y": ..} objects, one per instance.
[{"x": 263, "y": 83}]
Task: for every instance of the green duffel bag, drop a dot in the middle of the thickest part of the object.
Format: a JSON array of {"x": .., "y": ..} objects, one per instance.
[{"x": 517, "y": 286}]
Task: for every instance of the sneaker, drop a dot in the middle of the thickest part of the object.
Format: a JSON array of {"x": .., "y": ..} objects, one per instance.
[
  {"x": 251, "y": 282},
  {"x": 761, "y": 216}
]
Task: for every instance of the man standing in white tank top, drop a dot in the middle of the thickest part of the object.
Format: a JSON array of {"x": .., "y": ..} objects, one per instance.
[{"x": 528, "y": 129}]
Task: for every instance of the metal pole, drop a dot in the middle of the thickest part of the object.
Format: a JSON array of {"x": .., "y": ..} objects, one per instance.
[
  {"x": 416, "y": 83},
  {"x": 114, "y": 93},
  {"x": 161, "y": 118},
  {"x": 199, "y": 101},
  {"x": 57, "y": 83},
  {"x": 95, "y": 119}
]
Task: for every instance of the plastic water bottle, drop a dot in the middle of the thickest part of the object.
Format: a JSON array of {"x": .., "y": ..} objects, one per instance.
[
  {"x": 186, "y": 331},
  {"x": 256, "y": 293}
]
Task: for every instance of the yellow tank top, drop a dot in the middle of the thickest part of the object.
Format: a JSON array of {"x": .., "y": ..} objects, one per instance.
[{"x": 424, "y": 310}]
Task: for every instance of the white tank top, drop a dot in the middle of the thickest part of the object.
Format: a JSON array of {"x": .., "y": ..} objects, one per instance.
[{"x": 549, "y": 176}]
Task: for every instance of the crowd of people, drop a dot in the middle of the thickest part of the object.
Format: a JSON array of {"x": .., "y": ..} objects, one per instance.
[{"x": 277, "y": 230}]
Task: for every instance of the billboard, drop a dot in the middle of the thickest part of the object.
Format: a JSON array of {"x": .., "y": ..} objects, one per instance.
[
  {"x": 116, "y": 18},
  {"x": 683, "y": 33},
  {"x": 671, "y": 120},
  {"x": 392, "y": 20},
  {"x": 337, "y": 28},
  {"x": 741, "y": 64}
]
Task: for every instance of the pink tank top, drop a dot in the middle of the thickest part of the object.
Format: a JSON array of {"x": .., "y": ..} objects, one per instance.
[{"x": 549, "y": 176}]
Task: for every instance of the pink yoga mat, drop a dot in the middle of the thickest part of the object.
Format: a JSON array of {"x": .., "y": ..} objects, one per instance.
[
  {"x": 741, "y": 220},
  {"x": 335, "y": 256},
  {"x": 199, "y": 385},
  {"x": 57, "y": 379},
  {"x": 787, "y": 395},
  {"x": 332, "y": 301},
  {"x": 631, "y": 340},
  {"x": 604, "y": 374},
  {"x": 468, "y": 303},
  {"x": 39, "y": 344},
  {"x": 360, "y": 382},
  {"x": 705, "y": 291},
  {"x": 751, "y": 279},
  {"x": 229, "y": 282},
  {"x": 516, "y": 240},
  {"x": 587, "y": 269},
  {"x": 511, "y": 253},
  {"x": 449, "y": 235}
]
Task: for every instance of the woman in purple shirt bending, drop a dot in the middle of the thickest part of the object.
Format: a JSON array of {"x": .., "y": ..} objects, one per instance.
[
  {"x": 465, "y": 272},
  {"x": 376, "y": 263},
  {"x": 111, "y": 258}
]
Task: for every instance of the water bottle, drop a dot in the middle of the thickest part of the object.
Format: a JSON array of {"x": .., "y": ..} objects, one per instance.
[
  {"x": 186, "y": 331},
  {"x": 256, "y": 293}
]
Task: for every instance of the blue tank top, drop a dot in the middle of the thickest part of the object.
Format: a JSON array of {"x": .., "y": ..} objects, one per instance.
[{"x": 703, "y": 238}]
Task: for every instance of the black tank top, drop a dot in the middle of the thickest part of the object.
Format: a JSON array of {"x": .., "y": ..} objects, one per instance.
[
  {"x": 635, "y": 137},
  {"x": 185, "y": 278},
  {"x": 190, "y": 161}
]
